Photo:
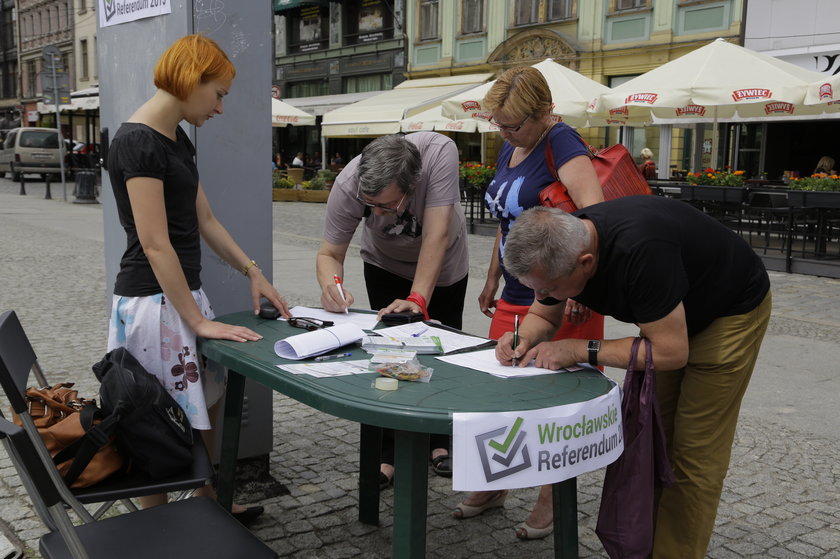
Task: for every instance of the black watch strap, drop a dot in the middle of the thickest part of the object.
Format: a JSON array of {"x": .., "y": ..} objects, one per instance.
[{"x": 593, "y": 346}]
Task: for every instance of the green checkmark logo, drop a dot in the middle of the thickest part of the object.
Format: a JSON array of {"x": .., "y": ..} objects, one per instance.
[{"x": 503, "y": 447}]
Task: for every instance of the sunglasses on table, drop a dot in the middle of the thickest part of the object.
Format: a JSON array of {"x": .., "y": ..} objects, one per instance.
[{"x": 310, "y": 324}]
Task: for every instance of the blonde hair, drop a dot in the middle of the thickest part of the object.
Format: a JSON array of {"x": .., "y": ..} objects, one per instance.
[
  {"x": 521, "y": 92},
  {"x": 647, "y": 153},
  {"x": 190, "y": 61},
  {"x": 825, "y": 165}
]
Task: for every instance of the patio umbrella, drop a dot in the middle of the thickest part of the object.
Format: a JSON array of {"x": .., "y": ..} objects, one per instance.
[
  {"x": 571, "y": 94},
  {"x": 283, "y": 114},
  {"x": 721, "y": 78},
  {"x": 824, "y": 93},
  {"x": 433, "y": 119}
]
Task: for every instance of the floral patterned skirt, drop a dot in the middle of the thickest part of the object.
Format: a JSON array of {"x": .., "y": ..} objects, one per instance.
[{"x": 152, "y": 330}]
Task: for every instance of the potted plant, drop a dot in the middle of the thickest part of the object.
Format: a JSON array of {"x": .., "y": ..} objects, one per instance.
[
  {"x": 820, "y": 190},
  {"x": 314, "y": 190},
  {"x": 713, "y": 185},
  {"x": 328, "y": 177},
  {"x": 282, "y": 188}
]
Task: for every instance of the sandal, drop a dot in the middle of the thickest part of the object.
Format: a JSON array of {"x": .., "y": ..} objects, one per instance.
[
  {"x": 442, "y": 465},
  {"x": 463, "y": 510},
  {"x": 384, "y": 481},
  {"x": 526, "y": 532}
]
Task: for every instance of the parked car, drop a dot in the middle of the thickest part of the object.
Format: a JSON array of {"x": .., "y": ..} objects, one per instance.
[{"x": 30, "y": 150}]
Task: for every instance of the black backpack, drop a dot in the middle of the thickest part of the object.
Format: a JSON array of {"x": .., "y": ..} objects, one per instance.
[{"x": 152, "y": 428}]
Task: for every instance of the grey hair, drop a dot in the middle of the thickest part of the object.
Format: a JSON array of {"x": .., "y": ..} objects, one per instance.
[
  {"x": 548, "y": 238},
  {"x": 387, "y": 160},
  {"x": 647, "y": 153}
]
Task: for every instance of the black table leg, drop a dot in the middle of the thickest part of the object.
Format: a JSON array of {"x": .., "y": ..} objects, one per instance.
[
  {"x": 231, "y": 424},
  {"x": 411, "y": 483},
  {"x": 564, "y": 501},
  {"x": 370, "y": 443}
]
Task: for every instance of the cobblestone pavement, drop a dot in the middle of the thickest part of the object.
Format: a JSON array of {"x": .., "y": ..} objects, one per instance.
[{"x": 779, "y": 501}]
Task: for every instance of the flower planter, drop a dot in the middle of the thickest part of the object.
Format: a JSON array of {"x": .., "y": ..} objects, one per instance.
[
  {"x": 313, "y": 195},
  {"x": 813, "y": 199},
  {"x": 284, "y": 195},
  {"x": 736, "y": 194}
]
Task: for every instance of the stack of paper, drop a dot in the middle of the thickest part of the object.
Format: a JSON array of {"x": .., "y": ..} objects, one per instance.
[
  {"x": 421, "y": 344},
  {"x": 318, "y": 342}
]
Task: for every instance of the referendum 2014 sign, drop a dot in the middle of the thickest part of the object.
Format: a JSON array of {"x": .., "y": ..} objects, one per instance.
[
  {"x": 114, "y": 12},
  {"x": 509, "y": 450}
]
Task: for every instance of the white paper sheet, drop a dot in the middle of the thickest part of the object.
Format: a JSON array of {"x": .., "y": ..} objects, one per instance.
[
  {"x": 486, "y": 362},
  {"x": 322, "y": 369},
  {"x": 366, "y": 321},
  {"x": 318, "y": 342},
  {"x": 451, "y": 341}
]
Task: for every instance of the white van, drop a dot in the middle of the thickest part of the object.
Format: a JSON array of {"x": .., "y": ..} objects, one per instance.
[{"x": 30, "y": 150}]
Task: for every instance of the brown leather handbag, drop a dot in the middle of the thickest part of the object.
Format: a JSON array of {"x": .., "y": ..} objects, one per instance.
[
  {"x": 617, "y": 172},
  {"x": 77, "y": 436}
]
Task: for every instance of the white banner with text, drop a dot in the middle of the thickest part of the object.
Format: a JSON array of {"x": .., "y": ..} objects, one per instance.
[
  {"x": 113, "y": 12},
  {"x": 508, "y": 450}
]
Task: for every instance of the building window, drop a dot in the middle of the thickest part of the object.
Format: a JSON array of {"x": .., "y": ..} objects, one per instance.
[
  {"x": 560, "y": 9},
  {"x": 82, "y": 6},
  {"x": 83, "y": 53},
  {"x": 372, "y": 82},
  {"x": 428, "y": 20},
  {"x": 527, "y": 11},
  {"x": 368, "y": 21},
  {"x": 308, "y": 89},
  {"x": 472, "y": 16},
  {"x": 308, "y": 29},
  {"x": 31, "y": 77},
  {"x": 630, "y": 4}
]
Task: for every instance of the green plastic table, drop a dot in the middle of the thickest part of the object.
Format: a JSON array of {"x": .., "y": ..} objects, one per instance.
[{"x": 414, "y": 411}]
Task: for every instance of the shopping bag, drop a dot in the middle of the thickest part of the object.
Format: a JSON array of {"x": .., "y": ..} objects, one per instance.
[{"x": 625, "y": 520}]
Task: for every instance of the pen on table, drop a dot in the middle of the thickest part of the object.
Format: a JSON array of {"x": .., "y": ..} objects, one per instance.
[
  {"x": 515, "y": 337},
  {"x": 417, "y": 333},
  {"x": 337, "y": 281},
  {"x": 329, "y": 357}
]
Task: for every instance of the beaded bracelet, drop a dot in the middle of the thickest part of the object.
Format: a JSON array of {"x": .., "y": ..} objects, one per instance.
[{"x": 420, "y": 301}]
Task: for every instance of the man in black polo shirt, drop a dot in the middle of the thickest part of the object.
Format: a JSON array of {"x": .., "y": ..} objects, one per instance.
[{"x": 696, "y": 290}]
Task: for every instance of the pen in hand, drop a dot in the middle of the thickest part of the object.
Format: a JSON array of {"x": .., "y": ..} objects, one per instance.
[
  {"x": 329, "y": 357},
  {"x": 337, "y": 281},
  {"x": 515, "y": 338}
]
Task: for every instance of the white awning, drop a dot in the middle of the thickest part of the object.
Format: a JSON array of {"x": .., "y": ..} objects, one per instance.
[
  {"x": 433, "y": 119},
  {"x": 283, "y": 114},
  {"x": 382, "y": 113},
  {"x": 322, "y": 104}
]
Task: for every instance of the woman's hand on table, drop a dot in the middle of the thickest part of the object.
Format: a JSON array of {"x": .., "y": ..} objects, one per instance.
[{"x": 212, "y": 329}]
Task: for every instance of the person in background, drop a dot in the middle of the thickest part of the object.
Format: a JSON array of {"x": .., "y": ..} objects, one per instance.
[
  {"x": 825, "y": 165},
  {"x": 648, "y": 166},
  {"x": 159, "y": 307},
  {"x": 695, "y": 289},
  {"x": 520, "y": 104},
  {"x": 298, "y": 160},
  {"x": 414, "y": 243},
  {"x": 278, "y": 161}
]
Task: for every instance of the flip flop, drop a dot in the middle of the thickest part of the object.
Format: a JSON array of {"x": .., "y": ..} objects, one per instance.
[
  {"x": 468, "y": 511},
  {"x": 442, "y": 465},
  {"x": 526, "y": 532}
]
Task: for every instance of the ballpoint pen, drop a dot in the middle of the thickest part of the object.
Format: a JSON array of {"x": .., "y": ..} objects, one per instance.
[
  {"x": 337, "y": 281},
  {"x": 419, "y": 332},
  {"x": 515, "y": 337},
  {"x": 329, "y": 357}
]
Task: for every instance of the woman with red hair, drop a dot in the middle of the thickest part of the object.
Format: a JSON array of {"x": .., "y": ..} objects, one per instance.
[{"x": 159, "y": 307}]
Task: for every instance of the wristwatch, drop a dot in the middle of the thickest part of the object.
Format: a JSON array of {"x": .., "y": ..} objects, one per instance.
[{"x": 593, "y": 346}]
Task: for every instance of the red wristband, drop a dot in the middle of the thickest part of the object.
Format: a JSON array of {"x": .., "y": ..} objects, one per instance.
[{"x": 420, "y": 301}]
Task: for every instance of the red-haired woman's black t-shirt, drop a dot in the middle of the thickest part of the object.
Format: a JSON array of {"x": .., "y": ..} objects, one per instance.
[{"x": 140, "y": 151}]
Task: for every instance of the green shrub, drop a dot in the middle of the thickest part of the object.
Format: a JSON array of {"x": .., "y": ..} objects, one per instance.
[{"x": 279, "y": 181}]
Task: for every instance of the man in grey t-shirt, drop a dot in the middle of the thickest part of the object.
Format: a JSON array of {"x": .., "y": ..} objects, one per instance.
[{"x": 414, "y": 242}]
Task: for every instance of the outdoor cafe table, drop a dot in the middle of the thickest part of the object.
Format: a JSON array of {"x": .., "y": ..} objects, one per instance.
[{"x": 414, "y": 410}]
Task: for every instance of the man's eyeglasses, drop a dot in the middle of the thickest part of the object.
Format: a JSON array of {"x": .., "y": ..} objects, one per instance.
[
  {"x": 309, "y": 323},
  {"x": 385, "y": 208},
  {"x": 508, "y": 128}
]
